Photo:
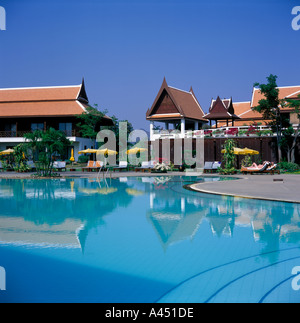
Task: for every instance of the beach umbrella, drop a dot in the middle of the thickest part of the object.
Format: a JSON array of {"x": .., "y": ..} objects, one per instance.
[
  {"x": 106, "y": 152},
  {"x": 136, "y": 150},
  {"x": 72, "y": 159},
  {"x": 247, "y": 151},
  {"x": 237, "y": 151},
  {"x": 244, "y": 151},
  {"x": 7, "y": 152},
  {"x": 88, "y": 151}
]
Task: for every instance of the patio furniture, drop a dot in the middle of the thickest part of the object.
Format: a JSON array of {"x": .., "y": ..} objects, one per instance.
[
  {"x": 216, "y": 165},
  {"x": 208, "y": 167},
  {"x": 93, "y": 165},
  {"x": 256, "y": 170},
  {"x": 273, "y": 169},
  {"x": 122, "y": 165},
  {"x": 146, "y": 166},
  {"x": 31, "y": 165},
  {"x": 59, "y": 165},
  {"x": 90, "y": 166}
]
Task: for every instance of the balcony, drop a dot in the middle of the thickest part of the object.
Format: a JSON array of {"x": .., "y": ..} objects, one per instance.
[
  {"x": 225, "y": 132},
  {"x": 20, "y": 134}
]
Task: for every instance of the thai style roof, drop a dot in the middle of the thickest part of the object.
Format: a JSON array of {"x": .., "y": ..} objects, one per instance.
[
  {"x": 56, "y": 101},
  {"x": 173, "y": 103},
  {"x": 221, "y": 110},
  {"x": 284, "y": 92},
  {"x": 245, "y": 109}
]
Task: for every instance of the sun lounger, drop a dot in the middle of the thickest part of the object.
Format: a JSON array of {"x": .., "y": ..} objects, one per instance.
[
  {"x": 123, "y": 165},
  {"x": 91, "y": 165},
  {"x": 256, "y": 170},
  {"x": 216, "y": 165},
  {"x": 272, "y": 169},
  {"x": 146, "y": 167},
  {"x": 208, "y": 166},
  {"x": 59, "y": 165},
  {"x": 31, "y": 165}
]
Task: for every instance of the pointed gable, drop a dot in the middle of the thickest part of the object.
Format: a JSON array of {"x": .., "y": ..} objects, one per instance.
[
  {"x": 175, "y": 103},
  {"x": 164, "y": 104},
  {"x": 221, "y": 110}
]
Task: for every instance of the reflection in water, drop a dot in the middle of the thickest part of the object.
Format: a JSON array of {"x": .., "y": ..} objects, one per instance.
[
  {"x": 61, "y": 213},
  {"x": 177, "y": 214}
]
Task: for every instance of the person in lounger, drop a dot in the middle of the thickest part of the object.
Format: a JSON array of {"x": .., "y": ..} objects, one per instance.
[{"x": 255, "y": 166}]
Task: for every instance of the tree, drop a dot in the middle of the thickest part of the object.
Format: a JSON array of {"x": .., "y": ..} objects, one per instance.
[
  {"x": 270, "y": 109},
  {"x": 88, "y": 120},
  {"x": 19, "y": 158},
  {"x": 45, "y": 145},
  {"x": 295, "y": 105},
  {"x": 229, "y": 156}
]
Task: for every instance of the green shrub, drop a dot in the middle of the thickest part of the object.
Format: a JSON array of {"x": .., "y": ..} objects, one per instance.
[
  {"x": 83, "y": 159},
  {"x": 289, "y": 167}
]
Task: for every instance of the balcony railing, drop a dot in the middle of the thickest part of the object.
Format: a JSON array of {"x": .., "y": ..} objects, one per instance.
[
  {"x": 226, "y": 132},
  {"x": 20, "y": 134}
]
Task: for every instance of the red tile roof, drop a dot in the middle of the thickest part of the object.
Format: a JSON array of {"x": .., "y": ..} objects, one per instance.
[
  {"x": 43, "y": 101},
  {"x": 186, "y": 104},
  {"x": 221, "y": 110},
  {"x": 284, "y": 92}
]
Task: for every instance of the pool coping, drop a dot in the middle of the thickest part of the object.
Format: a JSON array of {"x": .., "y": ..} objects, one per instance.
[{"x": 195, "y": 187}]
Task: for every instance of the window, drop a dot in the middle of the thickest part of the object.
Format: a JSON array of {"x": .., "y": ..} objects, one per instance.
[
  {"x": 10, "y": 129},
  {"x": 37, "y": 126},
  {"x": 66, "y": 127}
]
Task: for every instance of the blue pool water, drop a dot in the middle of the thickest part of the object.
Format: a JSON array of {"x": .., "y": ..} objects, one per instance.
[{"x": 143, "y": 240}]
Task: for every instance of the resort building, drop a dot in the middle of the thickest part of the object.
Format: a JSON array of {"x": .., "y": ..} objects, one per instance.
[
  {"x": 23, "y": 110},
  {"x": 178, "y": 110},
  {"x": 221, "y": 110},
  {"x": 182, "y": 115},
  {"x": 244, "y": 110}
]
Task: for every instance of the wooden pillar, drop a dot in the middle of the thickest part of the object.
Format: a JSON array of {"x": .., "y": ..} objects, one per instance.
[{"x": 45, "y": 126}]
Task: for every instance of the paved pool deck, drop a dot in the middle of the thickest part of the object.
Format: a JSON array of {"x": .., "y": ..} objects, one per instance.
[{"x": 268, "y": 187}]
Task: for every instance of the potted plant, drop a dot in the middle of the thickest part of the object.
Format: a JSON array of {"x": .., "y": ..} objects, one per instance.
[{"x": 161, "y": 168}]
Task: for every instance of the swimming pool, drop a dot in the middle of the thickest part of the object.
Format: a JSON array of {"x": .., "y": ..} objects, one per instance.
[{"x": 143, "y": 240}]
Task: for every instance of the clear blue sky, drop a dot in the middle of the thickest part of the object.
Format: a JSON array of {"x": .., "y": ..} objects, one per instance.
[{"x": 123, "y": 49}]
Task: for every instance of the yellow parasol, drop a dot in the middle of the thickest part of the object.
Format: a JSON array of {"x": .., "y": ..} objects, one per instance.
[
  {"x": 248, "y": 151},
  {"x": 7, "y": 152},
  {"x": 136, "y": 150},
  {"x": 245, "y": 151},
  {"x": 107, "y": 152},
  {"x": 72, "y": 159},
  {"x": 88, "y": 151}
]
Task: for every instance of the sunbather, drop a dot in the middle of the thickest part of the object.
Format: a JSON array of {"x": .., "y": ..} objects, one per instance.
[{"x": 255, "y": 166}]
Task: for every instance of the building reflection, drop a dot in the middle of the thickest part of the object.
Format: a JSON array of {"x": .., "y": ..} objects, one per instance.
[
  {"x": 179, "y": 217},
  {"x": 61, "y": 213}
]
